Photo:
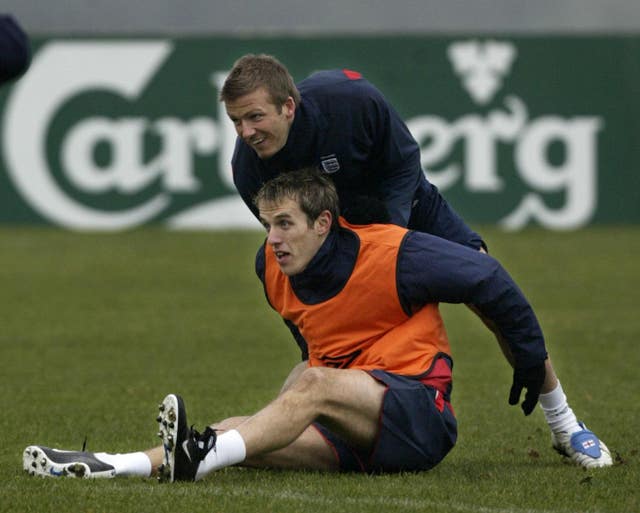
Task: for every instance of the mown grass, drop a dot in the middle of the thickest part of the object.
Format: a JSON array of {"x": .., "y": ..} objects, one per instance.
[{"x": 96, "y": 328}]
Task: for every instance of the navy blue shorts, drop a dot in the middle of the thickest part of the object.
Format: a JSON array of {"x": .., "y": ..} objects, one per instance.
[{"x": 417, "y": 430}]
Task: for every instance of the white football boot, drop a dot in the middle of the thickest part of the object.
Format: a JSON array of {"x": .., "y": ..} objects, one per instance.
[{"x": 583, "y": 447}]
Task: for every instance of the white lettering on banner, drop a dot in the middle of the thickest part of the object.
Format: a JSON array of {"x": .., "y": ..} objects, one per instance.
[
  {"x": 576, "y": 177},
  {"x": 60, "y": 71},
  {"x": 480, "y": 137},
  {"x": 127, "y": 172},
  {"x": 124, "y": 68}
]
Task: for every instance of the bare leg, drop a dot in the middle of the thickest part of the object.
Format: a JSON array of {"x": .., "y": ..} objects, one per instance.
[
  {"x": 309, "y": 451},
  {"x": 281, "y": 435},
  {"x": 155, "y": 455},
  {"x": 346, "y": 401}
]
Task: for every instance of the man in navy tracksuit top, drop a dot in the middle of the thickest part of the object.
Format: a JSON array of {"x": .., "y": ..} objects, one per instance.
[
  {"x": 345, "y": 127},
  {"x": 339, "y": 123},
  {"x": 14, "y": 49}
]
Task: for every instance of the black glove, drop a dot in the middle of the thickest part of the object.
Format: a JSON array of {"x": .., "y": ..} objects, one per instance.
[{"x": 532, "y": 379}]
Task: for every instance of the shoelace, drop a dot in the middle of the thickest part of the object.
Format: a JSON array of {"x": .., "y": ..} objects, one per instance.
[{"x": 202, "y": 442}]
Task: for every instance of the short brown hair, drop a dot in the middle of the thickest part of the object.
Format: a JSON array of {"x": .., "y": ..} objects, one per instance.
[
  {"x": 313, "y": 192},
  {"x": 251, "y": 72}
]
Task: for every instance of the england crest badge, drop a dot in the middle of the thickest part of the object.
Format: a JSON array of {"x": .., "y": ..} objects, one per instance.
[{"x": 330, "y": 163}]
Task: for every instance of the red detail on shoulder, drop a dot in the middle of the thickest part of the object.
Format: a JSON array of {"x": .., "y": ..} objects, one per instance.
[{"x": 352, "y": 75}]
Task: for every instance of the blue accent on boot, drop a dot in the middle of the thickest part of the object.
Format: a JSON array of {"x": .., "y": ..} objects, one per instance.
[{"x": 586, "y": 442}]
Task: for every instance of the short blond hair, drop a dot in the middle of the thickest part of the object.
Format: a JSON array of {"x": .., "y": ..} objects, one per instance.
[{"x": 251, "y": 72}]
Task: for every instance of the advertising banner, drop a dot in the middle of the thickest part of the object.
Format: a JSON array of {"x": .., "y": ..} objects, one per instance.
[{"x": 113, "y": 133}]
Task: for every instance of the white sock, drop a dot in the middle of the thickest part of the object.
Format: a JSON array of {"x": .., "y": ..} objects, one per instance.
[
  {"x": 559, "y": 415},
  {"x": 229, "y": 450},
  {"x": 129, "y": 464}
]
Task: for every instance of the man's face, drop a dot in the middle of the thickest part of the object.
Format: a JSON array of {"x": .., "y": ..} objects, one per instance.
[
  {"x": 258, "y": 122},
  {"x": 289, "y": 235}
]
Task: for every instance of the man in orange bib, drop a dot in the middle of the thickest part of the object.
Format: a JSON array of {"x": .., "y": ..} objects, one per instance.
[{"x": 372, "y": 392}]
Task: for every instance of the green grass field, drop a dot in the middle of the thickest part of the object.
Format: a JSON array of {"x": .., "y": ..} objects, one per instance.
[{"x": 96, "y": 328}]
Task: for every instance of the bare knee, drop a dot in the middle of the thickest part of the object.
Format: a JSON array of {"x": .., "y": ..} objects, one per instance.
[
  {"x": 312, "y": 381},
  {"x": 310, "y": 390}
]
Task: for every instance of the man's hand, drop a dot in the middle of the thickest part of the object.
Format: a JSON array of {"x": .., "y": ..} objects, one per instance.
[{"x": 531, "y": 379}]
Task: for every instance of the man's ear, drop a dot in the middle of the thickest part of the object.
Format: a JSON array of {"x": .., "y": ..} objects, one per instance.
[
  {"x": 289, "y": 107},
  {"x": 323, "y": 222}
]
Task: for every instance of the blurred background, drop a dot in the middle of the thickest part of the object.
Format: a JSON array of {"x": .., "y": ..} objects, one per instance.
[
  {"x": 350, "y": 16},
  {"x": 527, "y": 113},
  {"x": 528, "y": 118}
]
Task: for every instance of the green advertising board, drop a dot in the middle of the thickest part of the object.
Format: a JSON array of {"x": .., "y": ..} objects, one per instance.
[{"x": 113, "y": 133}]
